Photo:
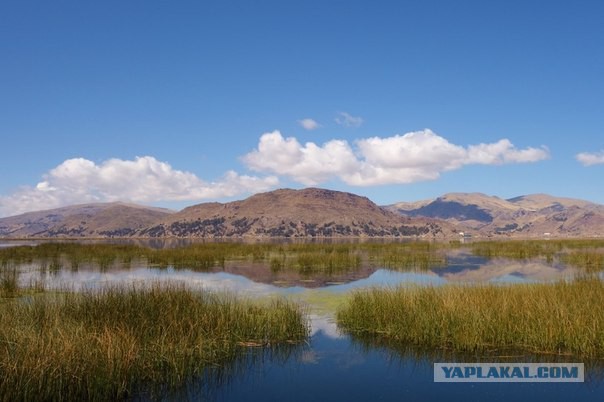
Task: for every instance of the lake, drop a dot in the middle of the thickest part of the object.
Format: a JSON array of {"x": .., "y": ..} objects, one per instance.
[{"x": 332, "y": 366}]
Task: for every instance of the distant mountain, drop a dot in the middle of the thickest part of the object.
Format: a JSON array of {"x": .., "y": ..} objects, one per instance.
[
  {"x": 315, "y": 212},
  {"x": 86, "y": 220},
  {"x": 310, "y": 212},
  {"x": 535, "y": 215},
  {"x": 541, "y": 201}
]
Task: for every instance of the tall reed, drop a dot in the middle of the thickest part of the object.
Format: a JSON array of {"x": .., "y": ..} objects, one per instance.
[
  {"x": 116, "y": 342},
  {"x": 306, "y": 258},
  {"x": 9, "y": 282},
  {"x": 558, "y": 318},
  {"x": 589, "y": 261},
  {"x": 523, "y": 249}
]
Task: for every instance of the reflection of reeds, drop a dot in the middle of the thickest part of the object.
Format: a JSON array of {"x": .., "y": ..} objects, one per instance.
[
  {"x": 306, "y": 258},
  {"x": 217, "y": 377},
  {"x": 410, "y": 260},
  {"x": 9, "y": 282},
  {"x": 407, "y": 256},
  {"x": 522, "y": 249},
  {"x": 589, "y": 261},
  {"x": 519, "y": 249},
  {"x": 584, "y": 254},
  {"x": 115, "y": 342},
  {"x": 424, "y": 358},
  {"x": 555, "y": 318}
]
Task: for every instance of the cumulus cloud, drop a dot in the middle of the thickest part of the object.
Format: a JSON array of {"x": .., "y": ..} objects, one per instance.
[
  {"x": 416, "y": 156},
  {"x": 144, "y": 180},
  {"x": 308, "y": 164},
  {"x": 346, "y": 120},
  {"x": 503, "y": 151},
  {"x": 589, "y": 159},
  {"x": 309, "y": 124}
]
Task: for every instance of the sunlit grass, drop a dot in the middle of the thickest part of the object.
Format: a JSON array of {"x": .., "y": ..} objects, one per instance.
[
  {"x": 518, "y": 249},
  {"x": 560, "y": 318},
  {"x": 522, "y": 249},
  {"x": 116, "y": 342}
]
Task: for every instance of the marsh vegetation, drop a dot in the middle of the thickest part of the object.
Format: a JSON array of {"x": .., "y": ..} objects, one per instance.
[
  {"x": 306, "y": 258},
  {"x": 523, "y": 249},
  {"x": 118, "y": 342},
  {"x": 546, "y": 318},
  {"x": 122, "y": 341}
]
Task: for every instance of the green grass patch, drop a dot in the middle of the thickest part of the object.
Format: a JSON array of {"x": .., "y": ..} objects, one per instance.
[
  {"x": 116, "y": 342},
  {"x": 322, "y": 301},
  {"x": 560, "y": 318}
]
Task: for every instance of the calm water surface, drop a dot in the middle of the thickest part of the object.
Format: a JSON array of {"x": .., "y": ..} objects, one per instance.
[{"x": 332, "y": 366}]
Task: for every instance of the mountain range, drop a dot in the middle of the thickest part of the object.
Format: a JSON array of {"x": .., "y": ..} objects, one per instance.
[
  {"x": 314, "y": 212},
  {"x": 536, "y": 215}
]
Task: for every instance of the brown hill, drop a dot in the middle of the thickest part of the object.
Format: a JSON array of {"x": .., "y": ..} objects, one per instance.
[
  {"x": 310, "y": 212},
  {"x": 86, "y": 220},
  {"x": 535, "y": 215}
]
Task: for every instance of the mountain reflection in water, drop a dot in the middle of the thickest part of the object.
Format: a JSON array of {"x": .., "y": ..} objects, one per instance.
[{"x": 333, "y": 366}]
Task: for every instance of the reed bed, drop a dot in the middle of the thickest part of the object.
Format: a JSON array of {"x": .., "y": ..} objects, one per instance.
[
  {"x": 316, "y": 259},
  {"x": 415, "y": 260},
  {"x": 589, "y": 261},
  {"x": 556, "y": 318},
  {"x": 517, "y": 249},
  {"x": 9, "y": 282},
  {"x": 115, "y": 343},
  {"x": 523, "y": 249},
  {"x": 306, "y": 258},
  {"x": 586, "y": 254}
]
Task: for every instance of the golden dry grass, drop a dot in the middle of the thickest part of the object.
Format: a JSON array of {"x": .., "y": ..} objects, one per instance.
[
  {"x": 558, "y": 318},
  {"x": 115, "y": 342}
]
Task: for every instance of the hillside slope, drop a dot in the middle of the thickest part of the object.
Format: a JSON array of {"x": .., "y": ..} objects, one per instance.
[
  {"x": 86, "y": 220},
  {"x": 310, "y": 212},
  {"x": 534, "y": 215}
]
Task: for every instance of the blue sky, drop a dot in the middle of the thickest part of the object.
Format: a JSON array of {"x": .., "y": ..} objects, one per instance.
[{"x": 175, "y": 103}]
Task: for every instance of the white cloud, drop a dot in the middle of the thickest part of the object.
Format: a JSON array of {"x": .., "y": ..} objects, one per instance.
[
  {"x": 144, "y": 180},
  {"x": 503, "y": 151},
  {"x": 346, "y": 120},
  {"x": 416, "y": 149},
  {"x": 309, "y": 164},
  {"x": 309, "y": 124},
  {"x": 589, "y": 159},
  {"x": 416, "y": 156}
]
